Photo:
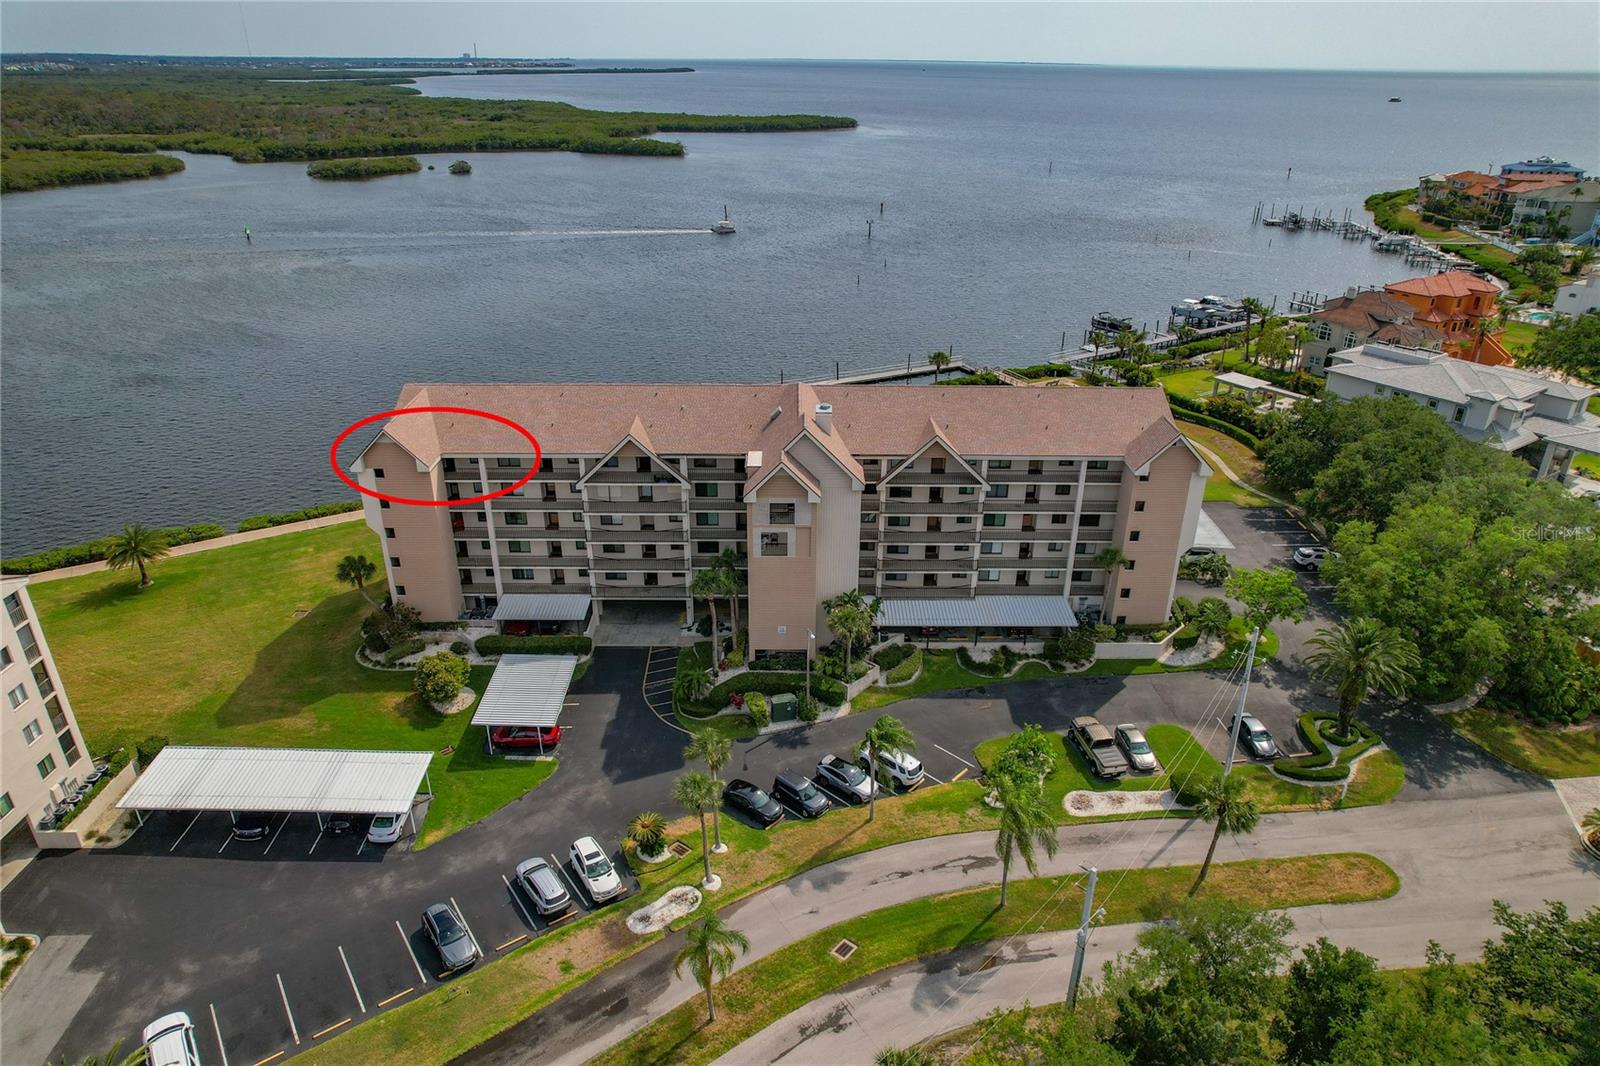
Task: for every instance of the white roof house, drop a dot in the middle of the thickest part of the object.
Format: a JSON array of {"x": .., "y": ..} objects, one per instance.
[{"x": 1499, "y": 406}]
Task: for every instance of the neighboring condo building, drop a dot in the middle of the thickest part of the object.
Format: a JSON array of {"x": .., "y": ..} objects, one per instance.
[
  {"x": 972, "y": 507},
  {"x": 42, "y": 748},
  {"x": 1499, "y": 406}
]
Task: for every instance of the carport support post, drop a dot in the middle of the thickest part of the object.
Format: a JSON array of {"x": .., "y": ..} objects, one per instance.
[
  {"x": 1238, "y": 712},
  {"x": 1083, "y": 938}
]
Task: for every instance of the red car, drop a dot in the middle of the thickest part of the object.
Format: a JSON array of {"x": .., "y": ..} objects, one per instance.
[{"x": 522, "y": 737}]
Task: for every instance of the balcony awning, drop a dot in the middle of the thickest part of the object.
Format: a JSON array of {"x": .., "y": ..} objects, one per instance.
[
  {"x": 542, "y": 607},
  {"x": 526, "y": 690},
  {"x": 978, "y": 612}
]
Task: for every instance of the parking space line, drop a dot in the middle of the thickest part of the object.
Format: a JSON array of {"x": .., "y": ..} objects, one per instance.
[
  {"x": 226, "y": 841},
  {"x": 414, "y": 961},
  {"x": 930, "y": 777},
  {"x": 385, "y": 1002},
  {"x": 315, "y": 842},
  {"x": 467, "y": 925},
  {"x": 218, "y": 1027},
  {"x": 274, "y": 839},
  {"x": 270, "y": 1058},
  {"x": 185, "y": 832},
  {"x": 359, "y": 1002},
  {"x": 562, "y": 870},
  {"x": 514, "y": 940},
  {"x": 956, "y": 757},
  {"x": 959, "y": 775},
  {"x": 512, "y": 892},
  {"x": 329, "y": 1029},
  {"x": 293, "y": 1028}
]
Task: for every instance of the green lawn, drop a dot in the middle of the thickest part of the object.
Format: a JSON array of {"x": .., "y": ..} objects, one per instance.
[
  {"x": 1377, "y": 779},
  {"x": 1520, "y": 336},
  {"x": 1191, "y": 383},
  {"x": 1546, "y": 752},
  {"x": 943, "y": 672},
  {"x": 797, "y": 974},
  {"x": 254, "y": 645}
]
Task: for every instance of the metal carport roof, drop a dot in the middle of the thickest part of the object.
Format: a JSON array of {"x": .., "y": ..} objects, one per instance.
[
  {"x": 542, "y": 607},
  {"x": 277, "y": 780},
  {"x": 978, "y": 611},
  {"x": 527, "y": 690},
  {"x": 1207, "y": 534}
]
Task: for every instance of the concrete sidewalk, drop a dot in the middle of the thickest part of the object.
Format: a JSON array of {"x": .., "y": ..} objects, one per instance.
[
  {"x": 1453, "y": 857},
  {"x": 207, "y": 545}
]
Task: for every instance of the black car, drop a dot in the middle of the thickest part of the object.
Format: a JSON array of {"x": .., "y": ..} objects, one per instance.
[
  {"x": 750, "y": 801},
  {"x": 251, "y": 826},
  {"x": 799, "y": 795},
  {"x": 339, "y": 825}
]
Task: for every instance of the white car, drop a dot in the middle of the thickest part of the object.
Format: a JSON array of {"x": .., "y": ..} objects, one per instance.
[
  {"x": 903, "y": 769},
  {"x": 599, "y": 877},
  {"x": 1311, "y": 556},
  {"x": 845, "y": 779},
  {"x": 169, "y": 1041},
  {"x": 386, "y": 828}
]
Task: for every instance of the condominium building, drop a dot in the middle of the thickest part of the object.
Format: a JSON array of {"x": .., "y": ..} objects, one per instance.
[
  {"x": 42, "y": 751},
  {"x": 972, "y": 507}
]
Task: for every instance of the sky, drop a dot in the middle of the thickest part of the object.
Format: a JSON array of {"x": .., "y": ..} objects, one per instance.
[{"x": 1347, "y": 36}]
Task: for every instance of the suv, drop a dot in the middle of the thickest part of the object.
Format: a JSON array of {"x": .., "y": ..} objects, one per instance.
[
  {"x": 903, "y": 769},
  {"x": 252, "y": 826},
  {"x": 521, "y": 738},
  {"x": 747, "y": 798},
  {"x": 169, "y": 1041},
  {"x": 599, "y": 878},
  {"x": 449, "y": 936},
  {"x": 799, "y": 795},
  {"x": 845, "y": 779},
  {"x": 1098, "y": 747},
  {"x": 543, "y": 885},
  {"x": 1311, "y": 556}
]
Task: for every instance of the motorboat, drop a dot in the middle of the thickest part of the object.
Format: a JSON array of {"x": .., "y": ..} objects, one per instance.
[{"x": 722, "y": 226}]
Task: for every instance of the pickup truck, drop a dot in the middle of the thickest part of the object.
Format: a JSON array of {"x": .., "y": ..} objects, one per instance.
[{"x": 1098, "y": 747}]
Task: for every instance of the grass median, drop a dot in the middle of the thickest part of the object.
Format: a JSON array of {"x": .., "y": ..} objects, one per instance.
[
  {"x": 772, "y": 987},
  {"x": 253, "y": 645},
  {"x": 943, "y": 672},
  {"x": 1539, "y": 750}
]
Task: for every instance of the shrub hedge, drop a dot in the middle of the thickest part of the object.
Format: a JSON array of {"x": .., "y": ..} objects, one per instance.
[
  {"x": 825, "y": 689},
  {"x": 905, "y": 669},
  {"x": 778, "y": 661},
  {"x": 892, "y": 656},
  {"x": 264, "y": 521},
  {"x": 1186, "y": 639},
  {"x": 115, "y": 764},
  {"x": 402, "y": 649},
  {"x": 1321, "y": 764},
  {"x": 551, "y": 644},
  {"x": 95, "y": 550}
]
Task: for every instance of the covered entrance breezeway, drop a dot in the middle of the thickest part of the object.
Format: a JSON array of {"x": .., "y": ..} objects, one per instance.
[
  {"x": 523, "y": 614},
  {"x": 641, "y": 624}
]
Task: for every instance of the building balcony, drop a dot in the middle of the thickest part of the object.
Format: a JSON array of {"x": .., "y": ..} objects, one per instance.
[
  {"x": 696, "y": 474},
  {"x": 576, "y": 586},
  {"x": 631, "y": 477},
  {"x": 1011, "y": 588},
  {"x": 609, "y": 591},
  {"x": 1040, "y": 505},
  {"x": 1050, "y": 475},
  {"x": 1016, "y": 562},
  {"x": 715, "y": 503},
  {"x": 960, "y": 505},
  {"x": 898, "y": 535},
  {"x": 701, "y": 562},
  {"x": 1088, "y": 590},
  {"x": 640, "y": 565},
  {"x": 912, "y": 564},
  {"x": 906, "y": 590},
  {"x": 1059, "y": 534},
  {"x": 1098, "y": 507},
  {"x": 672, "y": 534},
  {"x": 672, "y": 505},
  {"x": 922, "y": 477},
  {"x": 1103, "y": 477}
]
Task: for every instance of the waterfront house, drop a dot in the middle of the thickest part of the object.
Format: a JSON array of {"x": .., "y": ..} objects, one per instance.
[
  {"x": 977, "y": 507},
  {"x": 1459, "y": 305},
  {"x": 1360, "y": 317},
  {"x": 1499, "y": 406},
  {"x": 1581, "y": 297},
  {"x": 1577, "y": 202},
  {"x": 1544, "y": 165}
]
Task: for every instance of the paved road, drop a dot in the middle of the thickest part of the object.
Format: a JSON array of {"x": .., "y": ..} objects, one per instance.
[{"x": 180, "y": 919}]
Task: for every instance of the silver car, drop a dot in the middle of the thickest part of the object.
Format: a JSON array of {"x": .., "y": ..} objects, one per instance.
[
  {"x": 1133, "y": 744},
  {"x": 845, "y": 779},
  {"x": 543, "y": 885},
  {"x": 1255, "y": 740},
  {"x": 448, "y": 934}
]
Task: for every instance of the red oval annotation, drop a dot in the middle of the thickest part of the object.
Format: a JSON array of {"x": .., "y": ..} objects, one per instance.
[{"x": 333, "y": 455}]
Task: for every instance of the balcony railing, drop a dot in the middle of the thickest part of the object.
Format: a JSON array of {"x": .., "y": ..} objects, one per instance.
[
  {"x": 608, "y": 591},
  {"x": 1060, "y": 534},
  {"x": 1041, "y": 505},
  {"x": 1103, "y": 477},
  {"x": 907, "y": 590},
  {"x": 1011, "y": 588},
  {"x": 955, "y": 476},
  {"x": 635, "y": 564},
  {"x": 900, "y": 535},
  {"x": 716, "y": 475},
  {"x": 899, "y": 563},
  {"x": 670, "y": 505},
  {"x": 632, "y": 477},
  {"x": 959, "y": 505},
  {"x": 715, "y": 503},
  {"x": 670, "y": 534},
  {"x": 1049, "y": 475}
]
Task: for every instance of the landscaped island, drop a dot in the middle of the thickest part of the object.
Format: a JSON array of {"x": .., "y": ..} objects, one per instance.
[{"x": 60, "y": 128}]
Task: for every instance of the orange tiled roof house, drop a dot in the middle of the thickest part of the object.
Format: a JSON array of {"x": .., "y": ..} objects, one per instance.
[{"x": 1459, "y": 305}]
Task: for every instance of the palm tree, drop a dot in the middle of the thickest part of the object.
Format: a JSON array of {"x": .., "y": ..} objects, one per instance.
[
  {"x": 1591, "y": 826},
  {"x": 648, "y": 833},
  {"x": 1363, "y": 655},
  {"x": 1580, "y": 262},
  {"x": 1221, "y": 799},
  {"x": 707, "y": 585},
  {"x": 886, "y": 734},
  {"x": 728, "y": 562},
  {"x": 1099, "y": 340},
  {"x": 696, "y": 793},
  {"x": 905, "y": 1056},
  {"x": 714, "y": 749},
  {"x": 356, "y": 571},
  {"x": 139, "y": 1056},
  {"x": 1024, "y": 824},
  {"x": 1252, "y": 306},
  {"x": 137, "y": 545},
  {"x": 690, "y": 685},
  {"x": 1112, "y": 561},
  {"x": 708, "y": 947},
  {"x": 938, "y": 360},
  {"x": 851, "y": 617}
]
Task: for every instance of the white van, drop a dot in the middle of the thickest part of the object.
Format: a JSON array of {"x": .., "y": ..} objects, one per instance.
[{"x": 169, "y": 1041}]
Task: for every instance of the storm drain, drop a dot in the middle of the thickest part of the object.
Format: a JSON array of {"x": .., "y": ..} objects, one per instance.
[
  {"x": 844, "y": 949},
  {"x": 679, "y": 848},
  {"x": 301, "y": 613}
]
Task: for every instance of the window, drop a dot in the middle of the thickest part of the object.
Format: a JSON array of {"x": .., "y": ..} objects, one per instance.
[
  {"x": 936, "y": 466},
  {"x": 894, "y": 577},
  {"x": 1144, "y": 477},
  {"x": 399, "y": 590},
  {"x": 1089, "y": 521},
  {"x": 704, "y": 464},
  {"x": 30, "y": 646},
  {"x": 780, "y": 514},
  {"x": 521, "y": 573},
  {"x": 1433, "y": 405},
  {"x": 611, "y": 462},
  {"x": 867, "y": 518},
  {"x": 1098, "y": 464},
  {"x": 488, "y": 572},
  {"x": 705, "y": 489},
  {"x": 1460, "y": 413},
  {"x": 899, "y": 492},
  {"x": 991, "y": 547},
  {"x": 1350, "y": 338},
  {"x": 646, "y": 493},
  {"x": 383, "y": 505},
  {"x": 641, "y": 465},
  {"x": 612, "y": 575},
  {"x": 1080, "y": 575},
  {"x": 610, "y": 520},
  {"x": 999, "y": 464},
  {"x": 377, "y": 473},
  {"x": 612, "y": 549},
  {"x": 1133, "y": 536},
  {"x": 1063, "y": 490},
  {"x": 897, "y": 549},
  {"x": 504, "y": 462},
  {"x": 967, "y": 520},
  {"x": 14, "y": 609},
  {"x": 1322, "y": 331},
  {"x": 707, "y": 547},
  {"x": 578, "y": 544},
  {"x": 31, "y": 732},
  {"x": 1129, "y": 565},
  {"x": 999, "y": 491},
  {"x": 519, "y": 547},
  {"x": 994, "y": 521},
  {"x": 18, "y": 696},
  {"x": 867, "y": 548},
  {"x": 988, "y": 575},
  {"x": 388, "y": 532},
  {"x": 577, "y": 516},
  {"x": 967, "y": 490},
  {"x": 1059, "y": 519},
  {"x": 46, "y": 765},
  {"x": 899, "y": 521},
  {"x": 1054, "y": 546},
  {"x": 1138, "y": 505},
  {"x": 465, "y": 576},
  {"x": 516, "y": 518},
  {"x": 775, "y": 543},
  {"x": 704, "y": 519},
  {"x": 1123, "y": 594},
  {"x": 5, "y": 657},
  {"x": 6, "y": 806},
  {"x": 1052, "y": 575},
  {"x": 1085, "y": 549}
]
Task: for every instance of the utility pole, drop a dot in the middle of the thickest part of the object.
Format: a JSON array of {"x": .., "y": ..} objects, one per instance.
[
  {"x": 1089, "y": 915},
  {"x": 1238, "y": 713}
]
